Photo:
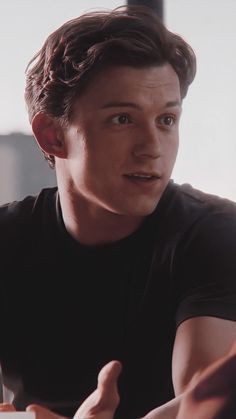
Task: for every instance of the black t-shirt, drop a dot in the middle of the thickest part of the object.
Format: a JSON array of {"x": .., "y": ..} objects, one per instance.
[{"x": 67, "y": 309}]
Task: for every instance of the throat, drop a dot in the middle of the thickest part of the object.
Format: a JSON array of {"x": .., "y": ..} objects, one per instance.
[{"x": 92, "y": 231}]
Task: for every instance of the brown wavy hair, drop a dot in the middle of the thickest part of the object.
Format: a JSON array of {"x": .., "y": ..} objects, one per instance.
[{"x": 77, "y": 50}]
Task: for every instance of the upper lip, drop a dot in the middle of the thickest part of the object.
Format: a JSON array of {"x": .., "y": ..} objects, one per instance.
[{"x": 142, "y": 173}]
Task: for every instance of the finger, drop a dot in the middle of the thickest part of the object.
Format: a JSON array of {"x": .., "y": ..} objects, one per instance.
[
  {"x": 7, "y": 407},
  {"x": 42, "y": 412},
  {"x": 108, "y": 376},
  {"x": 103, "y": 402}
]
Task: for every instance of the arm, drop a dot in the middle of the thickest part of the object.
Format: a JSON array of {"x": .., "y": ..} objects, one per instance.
[
  {"x": 199, "y": 342},
  {"x": 214, "y": 396}
]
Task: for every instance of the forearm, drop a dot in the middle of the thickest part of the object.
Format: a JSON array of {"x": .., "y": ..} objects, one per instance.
[{"x": 168, "y": 410}]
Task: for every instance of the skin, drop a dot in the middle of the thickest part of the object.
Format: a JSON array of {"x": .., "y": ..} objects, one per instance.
[
  {"x": 199, "y": 342},
  {"x": 126, "y": 122},
  {"x": 212, "y": 397},
  {"x": 101, "y": 404}
]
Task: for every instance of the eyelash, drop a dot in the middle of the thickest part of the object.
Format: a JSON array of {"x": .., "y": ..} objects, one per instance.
[
  {"x": 121, "y": 116},
  {"x": 160, "y": 120},
  {"x": 173, "y": 118}
]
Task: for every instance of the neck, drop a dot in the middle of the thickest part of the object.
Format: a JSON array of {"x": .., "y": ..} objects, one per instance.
[{"x": 93, "y": 226}]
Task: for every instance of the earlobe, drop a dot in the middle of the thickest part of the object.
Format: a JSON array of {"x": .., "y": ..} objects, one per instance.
[{"x": 48, "y": 135}]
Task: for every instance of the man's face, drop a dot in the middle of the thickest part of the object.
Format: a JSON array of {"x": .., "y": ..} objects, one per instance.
[{"x": 122, "y": 141}]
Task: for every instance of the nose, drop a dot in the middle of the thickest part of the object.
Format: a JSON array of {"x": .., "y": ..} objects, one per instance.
[{"x": 148, "y": 144}]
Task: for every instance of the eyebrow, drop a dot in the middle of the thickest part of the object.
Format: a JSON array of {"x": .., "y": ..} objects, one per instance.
[{"x": 169, "y": 104}]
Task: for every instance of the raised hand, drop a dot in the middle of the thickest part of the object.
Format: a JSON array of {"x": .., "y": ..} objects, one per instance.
[{"x": 102, "y": 403}]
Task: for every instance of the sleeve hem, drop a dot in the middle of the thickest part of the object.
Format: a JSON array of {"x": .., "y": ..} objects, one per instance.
[{"x": 209, "y": 309}]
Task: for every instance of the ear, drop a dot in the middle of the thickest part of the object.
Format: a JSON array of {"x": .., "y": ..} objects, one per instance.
[{"x": 49, "y": 135}]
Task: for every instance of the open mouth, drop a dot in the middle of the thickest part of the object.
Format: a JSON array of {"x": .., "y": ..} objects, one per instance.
[{"x": 142, "y": 177}]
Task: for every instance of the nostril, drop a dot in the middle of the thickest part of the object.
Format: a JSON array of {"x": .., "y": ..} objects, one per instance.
[
  {"x": 150, "y": 154},
  {"x": 148, "y": 149}
]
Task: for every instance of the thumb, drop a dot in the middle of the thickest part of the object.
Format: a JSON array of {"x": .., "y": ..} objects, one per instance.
[
  {"x": 102, "y": 403},
  {"x": 107, "y": 382}
]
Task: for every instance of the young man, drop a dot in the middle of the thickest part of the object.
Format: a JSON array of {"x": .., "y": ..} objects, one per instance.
[{"x": 119, "y": 262}]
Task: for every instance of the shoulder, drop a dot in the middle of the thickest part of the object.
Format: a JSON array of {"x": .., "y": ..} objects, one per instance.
[
  {"x": 204, "y": 222},
  {"x": 206, "y": 200},
  {"x": 185, "y": 207},
  {"x": 215, "y": 213},
  {"x": 17, "y": 216},
  {"x": 204, "y": 264},
  {"x": 193, "y": 228},
  {"x": 191, "y": 197}
]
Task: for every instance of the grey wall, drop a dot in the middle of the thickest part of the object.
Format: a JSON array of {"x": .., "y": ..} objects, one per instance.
[{"x": 23, "y": 169}]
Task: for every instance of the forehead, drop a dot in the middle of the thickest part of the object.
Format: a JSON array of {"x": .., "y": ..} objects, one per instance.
[{"x": 128, "y": 84}]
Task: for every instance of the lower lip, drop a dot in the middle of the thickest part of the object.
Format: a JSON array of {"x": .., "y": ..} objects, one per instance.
[{"x": 143, "y": 182}]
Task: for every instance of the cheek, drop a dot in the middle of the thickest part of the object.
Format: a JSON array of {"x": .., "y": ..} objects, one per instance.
[
  {"x": 176, "y": 147},
  {"x": 109, "y": 152},
  {"x": 172, "y": 147}
]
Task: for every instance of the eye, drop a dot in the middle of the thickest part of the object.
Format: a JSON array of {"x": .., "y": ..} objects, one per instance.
[
  {"x": 167, "y": 120},
  {"x": 121, "y": 119}
]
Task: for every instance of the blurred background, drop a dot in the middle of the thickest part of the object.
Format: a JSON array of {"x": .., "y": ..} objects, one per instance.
[{"x": 208, "y": 144}]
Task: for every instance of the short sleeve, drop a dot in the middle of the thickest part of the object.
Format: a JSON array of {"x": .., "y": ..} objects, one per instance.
[{"x": 205, "y": 268}]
